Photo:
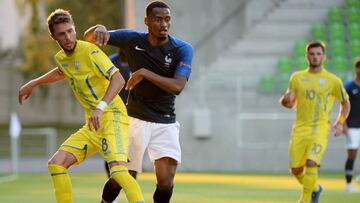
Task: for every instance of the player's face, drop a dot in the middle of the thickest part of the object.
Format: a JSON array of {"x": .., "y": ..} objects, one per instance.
[
  {"x": 158, "y": 23},
  {"x": 315, "y": 57},
  {"x": 65, "y": 36}
]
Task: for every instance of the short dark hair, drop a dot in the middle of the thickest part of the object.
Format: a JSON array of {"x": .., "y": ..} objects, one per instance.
[
  {"x": 58, "y": 16},
  {"x": 315, "y": 44},
  {"x": 155, "y": 4},
  {"x": 357, "y": 62}
]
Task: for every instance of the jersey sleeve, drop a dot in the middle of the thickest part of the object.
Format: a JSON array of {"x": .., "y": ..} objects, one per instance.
[
  {"x": 292, "y": 86},
  {"x": 120, "y": 37},
  {"x": 339, "y": 91},
  {"x": 103, "y": 66},
  {"x": 183, "y": 67},
  {"x": 57, "y": 63},
  {"x": 347, "y": 85}
]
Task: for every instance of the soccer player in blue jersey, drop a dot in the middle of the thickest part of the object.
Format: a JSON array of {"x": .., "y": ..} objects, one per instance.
[
  {"x": 312, "y": 92},
  {"x": 352, "y": 126},
  {"x": 95, "y": 83},
  {"x": 119, "y": 60},
  {"x": 160, "y": 66}
]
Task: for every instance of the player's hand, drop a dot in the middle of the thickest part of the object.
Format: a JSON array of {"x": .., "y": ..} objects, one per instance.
[
  {"x": 135, "y": 78},
  {"x": 101, "y": 35},
  {"x": 25, "y": 91},
  {"x": 345, "y": 129},
  {"x": 95, "y": 120},
  {"x": 288, "y": 99},
  {"x": 337, "y": 128}
]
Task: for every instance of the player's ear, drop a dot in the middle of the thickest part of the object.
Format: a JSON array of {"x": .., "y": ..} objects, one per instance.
[{"x": 146, "y": 20}]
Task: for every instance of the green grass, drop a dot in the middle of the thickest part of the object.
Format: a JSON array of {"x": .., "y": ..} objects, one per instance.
[{"x": 189, "y": 188}]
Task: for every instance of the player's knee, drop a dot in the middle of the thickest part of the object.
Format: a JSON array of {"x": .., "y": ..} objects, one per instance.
[
  {"x": 352, "y": 155},
  {"x": 297, "y": 171},
  {"x": 55, "y": 161},
  {"x": 165, "y": 180},
  {"x": 165, "y": 184},
  {"x": 63, "y": 159}
]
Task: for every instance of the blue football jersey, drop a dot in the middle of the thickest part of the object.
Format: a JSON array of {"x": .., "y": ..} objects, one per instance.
[{"x": 146, "y": 100}]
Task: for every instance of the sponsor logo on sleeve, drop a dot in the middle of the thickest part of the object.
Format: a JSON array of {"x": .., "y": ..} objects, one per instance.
[{"x": 184, "y": 64}]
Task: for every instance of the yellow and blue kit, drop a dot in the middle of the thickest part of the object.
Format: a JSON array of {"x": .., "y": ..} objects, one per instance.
[
  {"x": 88, "y": 71},
  {"x": 315, "y": 94}
]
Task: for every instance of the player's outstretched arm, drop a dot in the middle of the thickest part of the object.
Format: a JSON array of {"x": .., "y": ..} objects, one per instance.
[
  {"x": 116, "y": 83},
  {"x": 343, "y": 114},
  {"x": 97, "y": 34},
  {"x": 288, "y": 100},
  {"x": 49, "y": 77},
  {"x": 172, "y": 85}
]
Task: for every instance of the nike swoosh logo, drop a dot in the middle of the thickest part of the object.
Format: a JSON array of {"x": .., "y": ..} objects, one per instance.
[{"x": 138, "y": 48}]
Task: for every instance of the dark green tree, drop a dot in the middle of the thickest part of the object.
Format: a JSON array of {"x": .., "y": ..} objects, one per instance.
[
  {"x": 87, "y": 13},
  {"x": 37, "y": 47}
]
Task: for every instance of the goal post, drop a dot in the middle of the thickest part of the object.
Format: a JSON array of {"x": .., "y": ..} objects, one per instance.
[{"x": 15, "y": 133}]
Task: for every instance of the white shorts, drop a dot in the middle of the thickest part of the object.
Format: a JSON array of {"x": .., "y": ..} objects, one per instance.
[
  {"x": 160, "y": 140},
  {"x": 353, "y": 138}
]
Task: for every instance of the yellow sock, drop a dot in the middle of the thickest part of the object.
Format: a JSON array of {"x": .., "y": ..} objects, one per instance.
[
  {"x": 128, "y": 183},
  {"x": 300, "y": 177},
  {"x": 61, "y": 182},
  {"x": 309, "y": 183}
]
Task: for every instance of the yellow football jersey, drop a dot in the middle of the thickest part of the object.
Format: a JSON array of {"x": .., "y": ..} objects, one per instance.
[
  {"x": 315, "y": 94},
  {"x": 88, "y": 71}
]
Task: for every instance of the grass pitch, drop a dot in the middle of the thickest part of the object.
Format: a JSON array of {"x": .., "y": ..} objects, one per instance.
[{"x": 189, "y": 188}]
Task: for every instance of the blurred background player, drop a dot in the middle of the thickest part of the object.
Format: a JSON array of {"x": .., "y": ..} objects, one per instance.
[
  {"x": 120, "y": 61},
  {"x": 312, "y": 92},
  {"x": 352, "y": 126},
  {"x": 95, "y": 83},
  {"x": 160, "y": 66}
]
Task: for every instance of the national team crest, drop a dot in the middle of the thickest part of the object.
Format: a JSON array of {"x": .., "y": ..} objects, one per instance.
[
  {"x": 167, "y": 60},
  {"x": 321, "y": 81},
  {"x": 77, "y": 66}
]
